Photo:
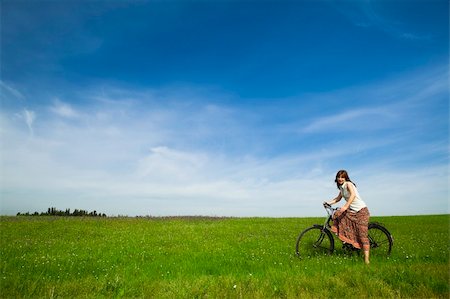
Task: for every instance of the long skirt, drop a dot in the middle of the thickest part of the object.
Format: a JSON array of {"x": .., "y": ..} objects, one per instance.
[{"x": 351, "y": 227}]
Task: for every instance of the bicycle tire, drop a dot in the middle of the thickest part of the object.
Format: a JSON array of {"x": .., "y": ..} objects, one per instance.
[
  {"x": 314, "y": 241},
  {"x": 380, "y": 239}
]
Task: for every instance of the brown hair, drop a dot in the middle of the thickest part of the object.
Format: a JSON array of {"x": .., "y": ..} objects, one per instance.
[{"x": 343, "y": 174}]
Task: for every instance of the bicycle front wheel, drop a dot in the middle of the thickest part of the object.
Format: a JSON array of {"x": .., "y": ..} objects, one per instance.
[
  {"x": 314, "y": 241},
  {"x": 380, "y": 240}
]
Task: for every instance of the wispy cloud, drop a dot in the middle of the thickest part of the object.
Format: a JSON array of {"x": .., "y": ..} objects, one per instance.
[
  {"x": 365, "y": 14},
  {"x": 7, "y": 89},
  {"x": 390, "y": 103},
  {"x": 347, "y": 120},
  {"x": 63, "y": 109},
  {"x": 126, "y": 153},
  {"x": 27, "y": 117}
]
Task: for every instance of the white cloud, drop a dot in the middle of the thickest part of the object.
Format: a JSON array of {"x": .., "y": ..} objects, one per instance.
[
  {"x": 81, "y": 163},
  {"x": 128, "y": 154},
  {"x": 167, "y": 164},
  {"x": 421, "y": 190},
  {"x": 64, "y": 110}
]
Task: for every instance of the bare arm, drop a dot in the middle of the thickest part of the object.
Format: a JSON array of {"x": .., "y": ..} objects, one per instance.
[{"x": 335, "y": 200}]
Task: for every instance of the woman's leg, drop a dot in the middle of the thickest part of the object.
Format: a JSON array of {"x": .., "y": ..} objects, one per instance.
[
  {"x": 366, "y": 256},
  {"x": 363, "y": 231},
  {"x": 366, "y": 247}
]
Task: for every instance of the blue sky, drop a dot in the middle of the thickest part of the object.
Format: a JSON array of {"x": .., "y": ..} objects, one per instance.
[{"x": 225, "y": 108}]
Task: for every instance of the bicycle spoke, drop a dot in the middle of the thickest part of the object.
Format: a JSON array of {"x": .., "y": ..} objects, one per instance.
[
  {"x": 314, "y": 241},
  {"x": 380, "y": 240}
]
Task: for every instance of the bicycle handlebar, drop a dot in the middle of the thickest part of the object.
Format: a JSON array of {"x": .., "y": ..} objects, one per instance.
[{"x": 329, "y": 208}]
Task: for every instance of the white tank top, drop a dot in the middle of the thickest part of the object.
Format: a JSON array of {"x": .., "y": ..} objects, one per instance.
[{"x": 357, "y": 204}]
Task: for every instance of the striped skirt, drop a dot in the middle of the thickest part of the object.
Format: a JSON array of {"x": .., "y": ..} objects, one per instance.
[{"x": 351, "y": 227}]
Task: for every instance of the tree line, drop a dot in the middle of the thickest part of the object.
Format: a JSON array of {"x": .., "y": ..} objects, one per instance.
[{"x": 55, "y": 212}]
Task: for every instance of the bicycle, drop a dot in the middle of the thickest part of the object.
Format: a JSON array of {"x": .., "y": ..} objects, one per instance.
[{"x": 318, "y": 239}]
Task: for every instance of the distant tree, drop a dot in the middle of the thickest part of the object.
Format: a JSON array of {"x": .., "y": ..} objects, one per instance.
[{"x": 55, "y": 212}]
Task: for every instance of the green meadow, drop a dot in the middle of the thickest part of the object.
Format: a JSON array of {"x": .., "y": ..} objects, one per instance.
[{"x": 74, "y": 257}]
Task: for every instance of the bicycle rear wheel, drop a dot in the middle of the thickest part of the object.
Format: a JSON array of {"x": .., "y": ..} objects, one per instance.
[
  {"x": 380, "y": 240},
  {"x": 314, "y": 241}
]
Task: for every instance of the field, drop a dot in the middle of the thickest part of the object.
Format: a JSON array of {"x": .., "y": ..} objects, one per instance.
[{"x": 72, "y": 257}]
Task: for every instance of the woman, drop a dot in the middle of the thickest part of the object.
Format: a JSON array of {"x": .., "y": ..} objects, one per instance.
[{"x": 351, "y": 221}]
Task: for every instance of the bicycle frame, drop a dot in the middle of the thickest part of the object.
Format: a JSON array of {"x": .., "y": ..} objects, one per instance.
[{"x": 330, "y": 211}]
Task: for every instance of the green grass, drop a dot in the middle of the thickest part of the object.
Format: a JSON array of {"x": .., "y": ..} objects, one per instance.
[{"x": 49, "y": 257}]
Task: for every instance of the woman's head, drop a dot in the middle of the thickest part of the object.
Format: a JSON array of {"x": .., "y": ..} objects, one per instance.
[{"x": 342, "y": 177}]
